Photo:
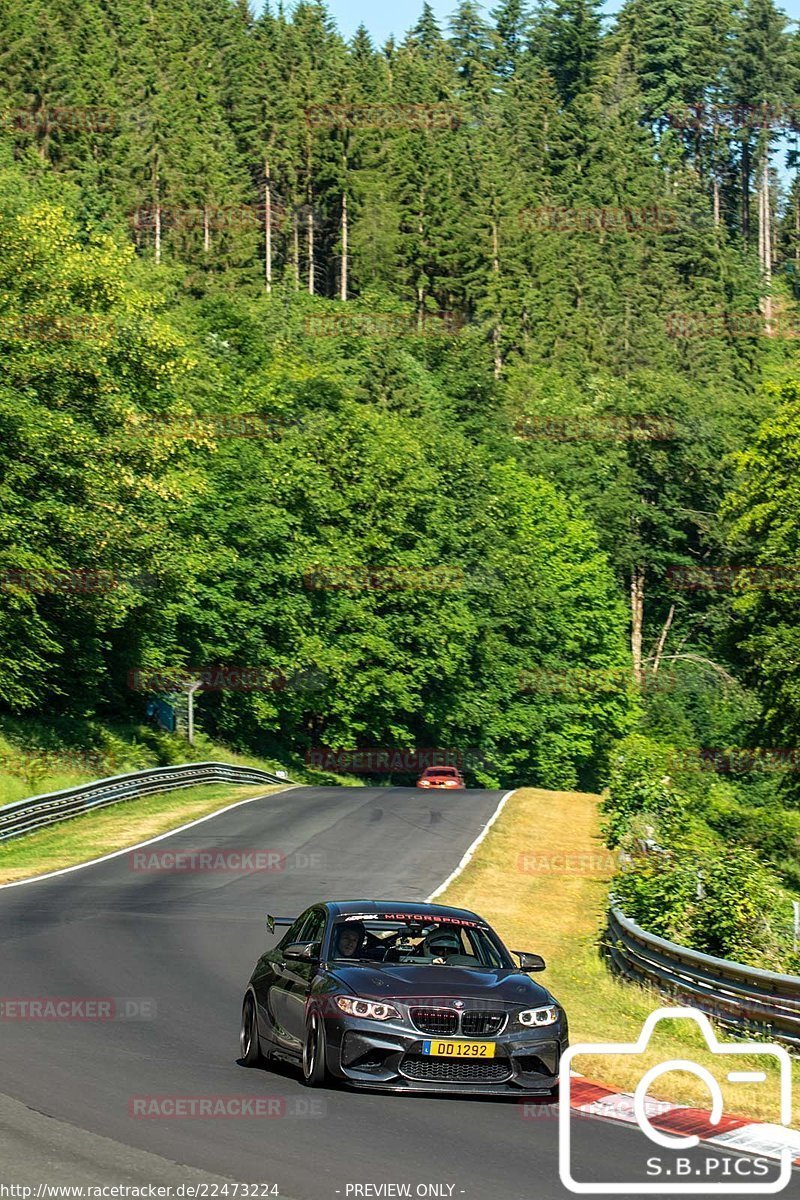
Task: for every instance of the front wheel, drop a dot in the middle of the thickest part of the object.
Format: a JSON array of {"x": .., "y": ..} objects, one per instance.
[
  {"x": 315, "y": 1071},
  {"x": 248, "y": 1038}
]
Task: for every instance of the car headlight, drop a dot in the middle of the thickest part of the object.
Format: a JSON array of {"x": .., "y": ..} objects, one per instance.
[
  {"x": 366, "y": 1008},
  {"x": 539, "y": 1016}
]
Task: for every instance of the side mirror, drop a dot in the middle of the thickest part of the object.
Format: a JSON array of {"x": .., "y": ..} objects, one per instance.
[
  {"x": 530, "y": 962},
  {"x": 302, "y": 951}
]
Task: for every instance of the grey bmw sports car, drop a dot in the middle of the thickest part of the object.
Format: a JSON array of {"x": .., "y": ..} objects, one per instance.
[{"x": 404, "y": 997}]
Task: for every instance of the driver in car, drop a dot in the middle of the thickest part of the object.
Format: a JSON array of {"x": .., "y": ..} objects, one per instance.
[
  {"x": 442, "y": 945},
  {"x": 349, "y": 940}
]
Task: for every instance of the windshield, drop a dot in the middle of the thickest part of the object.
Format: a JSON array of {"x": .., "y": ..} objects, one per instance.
[{"x": 423, "y": 943}]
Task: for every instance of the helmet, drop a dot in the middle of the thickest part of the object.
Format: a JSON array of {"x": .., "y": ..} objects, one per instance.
[{"x": 441, "y": 943}]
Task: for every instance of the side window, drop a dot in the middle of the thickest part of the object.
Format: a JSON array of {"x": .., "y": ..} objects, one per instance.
[
  {"x": 314, "y": 930},
  {"x": 307, "y": 928},
  {"x": 295, "y": 932},
  {"x": 482, "y": 949}
]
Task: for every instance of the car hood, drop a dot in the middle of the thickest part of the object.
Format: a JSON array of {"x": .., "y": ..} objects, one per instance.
[{"x": 403, "y": 981}]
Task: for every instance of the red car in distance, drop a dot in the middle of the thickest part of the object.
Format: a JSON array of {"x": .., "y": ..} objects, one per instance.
[{"x": 441, "y": 777}]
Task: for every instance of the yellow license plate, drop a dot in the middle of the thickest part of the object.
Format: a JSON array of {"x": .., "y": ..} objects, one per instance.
[{"x": 447, "y": 1049}]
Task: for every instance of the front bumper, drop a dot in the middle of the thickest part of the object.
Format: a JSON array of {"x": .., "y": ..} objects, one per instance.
[{"x": 389, "y": 1056}]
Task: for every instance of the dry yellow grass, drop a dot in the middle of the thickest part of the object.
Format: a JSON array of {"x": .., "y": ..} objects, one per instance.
[
  {"x": 114, "y": 828},
  {"x": 541, "y": 878}
]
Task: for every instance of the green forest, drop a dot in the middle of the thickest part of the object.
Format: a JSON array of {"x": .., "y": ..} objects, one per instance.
[{"x": 447, "y": 387}]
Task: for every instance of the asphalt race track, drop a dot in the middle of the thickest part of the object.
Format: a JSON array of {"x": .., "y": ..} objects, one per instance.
[{"x": 177, "y": 950}]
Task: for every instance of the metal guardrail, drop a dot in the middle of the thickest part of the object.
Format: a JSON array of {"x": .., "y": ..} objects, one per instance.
[
  {"x": 744, "y": 999},
  {"x": 24, "y": 816}
]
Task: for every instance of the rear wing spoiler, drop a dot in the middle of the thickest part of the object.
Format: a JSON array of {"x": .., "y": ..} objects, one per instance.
[{"x": 275, "y": 922}]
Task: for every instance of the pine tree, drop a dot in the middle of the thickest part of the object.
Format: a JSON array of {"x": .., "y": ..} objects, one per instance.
[
  {"x": 567, "y": 37},
  {"x": 762, "y": 78},
  {"x": 511, "y": 25},
  {"x": 471, "y": 46},
  {"x": 426, "y": 35}
]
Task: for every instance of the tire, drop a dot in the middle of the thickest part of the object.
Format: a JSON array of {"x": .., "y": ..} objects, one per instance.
[
  {"x": 249, "y": 1043},
  {"x": 315, "y": 1071}
]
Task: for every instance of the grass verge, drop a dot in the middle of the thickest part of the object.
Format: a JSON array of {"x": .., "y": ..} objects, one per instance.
[
  {"x": 38, "y": 756},
  {"x": 541, "y": 878},
  {"x": 115, "y": 828}
]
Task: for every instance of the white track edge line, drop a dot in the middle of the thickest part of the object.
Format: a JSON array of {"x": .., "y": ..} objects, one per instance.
[
  {"x": 93, "y": 862},
  {"x": 468, "y": 856}
]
